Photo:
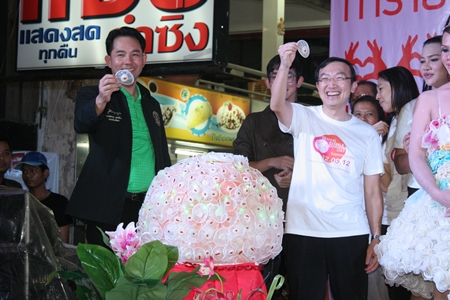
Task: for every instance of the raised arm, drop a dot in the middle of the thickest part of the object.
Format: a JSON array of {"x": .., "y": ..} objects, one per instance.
[
  {"x": 91, "y": 103},
  {"x": 107, "y": 85},
  {"x": 278, "y": 103}
]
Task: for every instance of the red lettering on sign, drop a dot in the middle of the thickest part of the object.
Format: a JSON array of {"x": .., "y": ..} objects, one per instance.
[
  {"x": 204, "y": 34},
  {"x": 172, "y": 18},
  {"x": 101, "y": 9},
  {"x": 59, "y": 10},
  {"x": 148, "y": 35},
  {"x": 162, "y": 38},
  {"x": 432, "y": 7},
  {"x": 31, "y": 11},
  {"x": 177, "y": 5},
  {"x": 394, "y": 7},
  {"x": 395, "y": 11}
]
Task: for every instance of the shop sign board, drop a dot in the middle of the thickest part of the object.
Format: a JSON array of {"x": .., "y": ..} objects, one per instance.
[
  {"x": 67, "y": 34},
  {"x": 198, "y": 115}
]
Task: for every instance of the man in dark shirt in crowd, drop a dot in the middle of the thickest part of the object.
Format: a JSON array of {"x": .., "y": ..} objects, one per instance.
[
  {"x": 34, "y": 174},
  {"x": 268, "y": 149},
  {"x": 5, "y": 163},
  {"x": 127, "y": 140}
]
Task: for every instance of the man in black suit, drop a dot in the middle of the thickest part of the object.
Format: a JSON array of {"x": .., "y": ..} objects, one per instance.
[{"x": 127, "y": 141}]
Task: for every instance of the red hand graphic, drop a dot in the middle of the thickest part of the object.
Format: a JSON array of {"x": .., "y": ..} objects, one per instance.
[
  {"x": 409, "y": 55},
  {"x": 375, "y": 59}
]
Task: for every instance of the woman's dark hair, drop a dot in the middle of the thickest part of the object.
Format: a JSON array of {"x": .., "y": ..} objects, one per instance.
[
  {"x": 403, "y": 86},
  {"x": 433, "y": 40},
  {"x": 381, "y": 115},
  {"x": 336, "y": 59},
  {"x": 447, "y": 26}
]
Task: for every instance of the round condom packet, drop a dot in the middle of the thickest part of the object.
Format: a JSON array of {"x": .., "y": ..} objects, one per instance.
[
  {"x": 125, "y": 77},
  {"x": 303, "y": 48}
]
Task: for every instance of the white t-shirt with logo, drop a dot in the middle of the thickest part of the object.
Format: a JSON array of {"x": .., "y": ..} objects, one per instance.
[{"x": 331, "y": 157}]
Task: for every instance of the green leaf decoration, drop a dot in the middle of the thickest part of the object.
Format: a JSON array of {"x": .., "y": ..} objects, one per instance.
[
  {"x": 180, "y": 283},
  {"x": 88, "y": 293},
  {"x": 102, "y": 266},
  {"x": 149, "y": 262},
  {"x": 148, "y": 282},
  {"x": 172, "y": 257},
  {"x": 125, "y": 290},
  {"x": 86, "y": 290},
  {"x": 105, "y": 238},
  {"x": 70, "y": 275}
]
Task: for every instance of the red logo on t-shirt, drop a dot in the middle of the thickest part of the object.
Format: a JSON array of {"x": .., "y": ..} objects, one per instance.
[{"x": 330, "y": 147}]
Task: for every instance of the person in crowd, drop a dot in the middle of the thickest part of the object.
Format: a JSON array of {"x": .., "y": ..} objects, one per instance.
[
  {"x": 396, "y": 87},
  {"x": 35, "y": 172},
  {"x": 327, "y": 228},
  {"x": 414, "y": 252},
  {"x": 267, "y": 148},
  {"x": 364, "y": 88},
  {"x": 127, "y": 141},
  {"x": 5, "y": 163},
  {"x": 367, "y": 109},
  {"x": 434, "y": 75},
  {"x": 369, "y": 112}
]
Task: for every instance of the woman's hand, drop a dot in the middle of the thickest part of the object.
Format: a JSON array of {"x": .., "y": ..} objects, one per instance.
[{"x": 381, "y": 127}]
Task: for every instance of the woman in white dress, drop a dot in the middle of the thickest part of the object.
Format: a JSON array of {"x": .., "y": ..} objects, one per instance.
[{"x": 415, "y": 252}]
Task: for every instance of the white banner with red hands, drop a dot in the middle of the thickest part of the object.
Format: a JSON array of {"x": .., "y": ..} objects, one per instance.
[{"x": 378, "y": 34}]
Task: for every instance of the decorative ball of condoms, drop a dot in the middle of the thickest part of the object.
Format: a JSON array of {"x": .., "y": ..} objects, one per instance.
[{"x": 214, "y": 205}]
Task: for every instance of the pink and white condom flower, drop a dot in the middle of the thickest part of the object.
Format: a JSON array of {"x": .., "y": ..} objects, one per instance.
[
  {"x": 124, "y": 242},
  {"x": 215, "y": 205}
]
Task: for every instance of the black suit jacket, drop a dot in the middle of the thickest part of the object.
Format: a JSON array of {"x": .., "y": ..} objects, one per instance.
[{"x": 99, "y": 194}]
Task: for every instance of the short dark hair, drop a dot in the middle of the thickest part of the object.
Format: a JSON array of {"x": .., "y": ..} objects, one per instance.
[
  {"x": 332, "y": 59},
  {"x": 433, "y": 40},
  {"x": 403, "y": 86},
  {"x": 123, "y": 31},
  {"x": 7, "y": 141},
  {"x": 375, "y": 103},
  {"x": 373, "y": 85},
  {"x": 274, "y": 64}
]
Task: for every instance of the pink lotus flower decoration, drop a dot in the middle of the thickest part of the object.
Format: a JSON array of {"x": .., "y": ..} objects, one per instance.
[
  {"x": 207, "y": 268},
  {"x": 124, "y": 242}
]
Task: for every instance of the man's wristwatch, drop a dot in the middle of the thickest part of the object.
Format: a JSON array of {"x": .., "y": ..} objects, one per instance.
[{"x": 376, "y": 236}]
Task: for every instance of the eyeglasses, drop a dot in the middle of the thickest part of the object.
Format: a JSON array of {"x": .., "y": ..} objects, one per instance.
[
  {"x": 338, "y": 79},
  {"x": 290, "y": 78}
]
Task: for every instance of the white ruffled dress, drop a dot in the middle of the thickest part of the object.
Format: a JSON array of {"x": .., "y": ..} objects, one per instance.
[{"x": 415, "y": 252}]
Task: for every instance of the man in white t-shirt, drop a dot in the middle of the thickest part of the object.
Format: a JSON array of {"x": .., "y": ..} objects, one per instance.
[{"x": 337, "y": 169}]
